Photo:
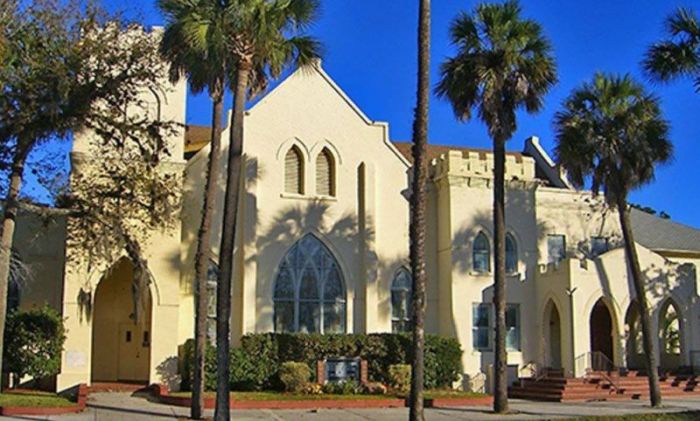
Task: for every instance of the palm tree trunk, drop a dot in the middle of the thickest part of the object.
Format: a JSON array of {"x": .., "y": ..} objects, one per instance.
[
  {"x": 500, "y": 398},
  {"x": 638, "y": 281},
  {"x": 203, "y": 255},
  {"x": 418, "y": 211},
  {"x": 228, "y": 238},
  {"x": 6, "y": 237}
]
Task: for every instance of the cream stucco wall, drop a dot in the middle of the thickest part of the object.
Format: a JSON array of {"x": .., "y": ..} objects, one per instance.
[
  {"x": 272, "y": 221},
  {"x": 365, "y": 226},
  {"x": 162, "y": 253}
]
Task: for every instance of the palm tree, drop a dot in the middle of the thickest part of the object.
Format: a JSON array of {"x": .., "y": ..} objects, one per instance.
[
  {"x": 194, "y": 44},
  {"x": 418, "y": 210},
  {"x": 679, "y": 55},
  {"x": 612, "y": 132},
  {"x": 503, "y": 63},
  {"x": 265, "y": 38}
]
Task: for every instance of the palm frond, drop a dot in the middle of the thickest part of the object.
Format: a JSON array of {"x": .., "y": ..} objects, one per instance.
[
  {"x": 611, "y": 132},
  {"x": 679, "y": 54},
  {"x": 503, "y": 63}
]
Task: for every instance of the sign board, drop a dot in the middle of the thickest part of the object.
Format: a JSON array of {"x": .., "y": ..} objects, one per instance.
[{"x": 341, "y": 369}]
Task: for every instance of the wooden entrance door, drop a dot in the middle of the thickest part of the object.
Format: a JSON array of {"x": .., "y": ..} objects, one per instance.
[
  {"x": 602, "y": 330},
  {"x": 134, "y": 352}
]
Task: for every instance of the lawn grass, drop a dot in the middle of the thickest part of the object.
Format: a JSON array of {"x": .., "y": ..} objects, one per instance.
[
  {"x": 679, "y": 416},
  {"x": 281, "y": 396},
  {"x": 449, "y": 393},
  {"x": 33, "y": 399}
]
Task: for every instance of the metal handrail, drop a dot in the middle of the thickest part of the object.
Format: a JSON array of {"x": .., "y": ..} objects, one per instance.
[
  {"x": 609, "y": 379},
  {"x": 598, "y": 362}
]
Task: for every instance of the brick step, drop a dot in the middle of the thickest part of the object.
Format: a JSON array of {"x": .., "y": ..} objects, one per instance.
[
  {"x": 101, "y": 387},
  {"x": 591, "y": 395},
  {"x": 601, "y": 386},
  {"x": 559, "y": 386},
  {"x": 561, "y": 381}
]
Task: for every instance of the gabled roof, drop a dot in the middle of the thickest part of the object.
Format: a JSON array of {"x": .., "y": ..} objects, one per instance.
[{"x": 661, "y": 234}]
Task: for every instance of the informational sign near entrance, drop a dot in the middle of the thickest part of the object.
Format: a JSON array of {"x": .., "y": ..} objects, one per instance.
[{"x": 342, "y": 369}]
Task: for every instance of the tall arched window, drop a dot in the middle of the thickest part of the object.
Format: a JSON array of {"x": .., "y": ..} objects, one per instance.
[
  {"x": 325, "y": 173},
  {"x": 13, "y": 295},
  {"x": 294, "y": 171},
  {"x": 511, "y": 254},
  {"x": 309, "y": 295},
  {"x": 481, "y": 254},
  {"x": 213, "y": 276},
  {"x": 670, "y": 329},
  {"x": 401, "y": 288}
]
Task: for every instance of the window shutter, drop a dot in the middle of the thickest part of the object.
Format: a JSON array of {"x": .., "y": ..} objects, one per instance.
[
  {"x": 324, "y": 174},
  {"x": 293, "y": 172}
]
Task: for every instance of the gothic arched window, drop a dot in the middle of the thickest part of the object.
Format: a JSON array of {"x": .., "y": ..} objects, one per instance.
[
  {"x": 325, "y": 174},
  {"x": 294, "y": 171},
  {"x": 481, "y": 254},
  {"x": 401, "y": 303},
  {"x": 511, "y": 254},
  {"x": 309, "y": 295}
]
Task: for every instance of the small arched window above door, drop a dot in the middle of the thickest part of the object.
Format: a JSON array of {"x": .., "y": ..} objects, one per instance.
[
  {"x": 325, "y": 173},
  {"x": 294, "y": 171}
]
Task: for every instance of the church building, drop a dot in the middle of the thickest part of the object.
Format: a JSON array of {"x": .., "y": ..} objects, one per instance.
[{"x": 322, "y": 246}]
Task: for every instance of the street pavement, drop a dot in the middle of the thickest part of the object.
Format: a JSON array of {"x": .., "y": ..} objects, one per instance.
[{"x": 123, "y": 406}]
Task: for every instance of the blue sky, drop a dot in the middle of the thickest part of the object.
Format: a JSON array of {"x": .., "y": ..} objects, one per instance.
[{"x": 371, "y": 53}]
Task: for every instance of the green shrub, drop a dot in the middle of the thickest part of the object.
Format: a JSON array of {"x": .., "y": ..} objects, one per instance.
[
  {"x": 294, "y": 375},
  {"x": 256, "y": 363},
  {"x": 33, "y": 342},
  {"x": 187, "y": 367},
  {"x": 245, "y": 373},
  {"x": 400, "y": 377},
  {"x": 347, "y": 387}
]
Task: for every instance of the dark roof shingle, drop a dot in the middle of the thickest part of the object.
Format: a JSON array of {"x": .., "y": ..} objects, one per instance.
[{"x": 657, "y": 233}]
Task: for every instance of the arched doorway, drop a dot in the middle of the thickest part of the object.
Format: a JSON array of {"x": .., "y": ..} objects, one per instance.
[
  {"x": 121, "y": 345},
  {"x": 552, "y": 335},
  {"x": 670, "y": 335},
  {"x": 634, "y": 350},
  {"x": 601, "y": 329}
]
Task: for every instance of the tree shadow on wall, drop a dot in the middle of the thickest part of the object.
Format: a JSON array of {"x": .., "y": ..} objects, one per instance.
[{"x": 351, "y": 240}]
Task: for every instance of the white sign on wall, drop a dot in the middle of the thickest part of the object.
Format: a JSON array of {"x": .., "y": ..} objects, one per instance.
[{"x": 75, "y": 359}]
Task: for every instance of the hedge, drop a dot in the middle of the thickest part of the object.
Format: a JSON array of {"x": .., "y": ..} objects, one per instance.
[
  {"x": 254, "y": 366},
  {"x": 33, "y": 342}
]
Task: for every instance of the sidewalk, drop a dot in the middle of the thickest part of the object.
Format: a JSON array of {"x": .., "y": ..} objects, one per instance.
[{"x": 122, "y": 406}]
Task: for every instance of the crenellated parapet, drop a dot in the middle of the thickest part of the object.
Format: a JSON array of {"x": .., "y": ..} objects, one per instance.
[{"x": 477, "y": 166}]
